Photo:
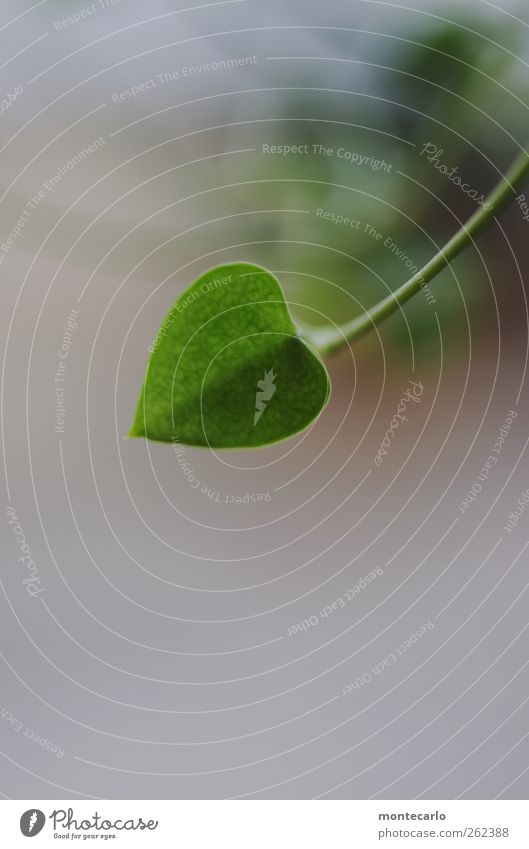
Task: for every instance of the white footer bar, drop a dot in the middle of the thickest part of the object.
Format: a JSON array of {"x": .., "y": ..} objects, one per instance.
[{"x": 266, "y": 824}]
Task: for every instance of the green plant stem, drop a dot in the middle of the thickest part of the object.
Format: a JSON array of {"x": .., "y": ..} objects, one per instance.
[{"x": 329, "y": 339}]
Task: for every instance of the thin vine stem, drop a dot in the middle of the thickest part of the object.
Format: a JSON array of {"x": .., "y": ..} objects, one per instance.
[{"x": 329, "y": 339}]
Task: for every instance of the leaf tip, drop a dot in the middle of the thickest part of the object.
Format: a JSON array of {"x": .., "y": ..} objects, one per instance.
[{"x": 135, "y": 432}]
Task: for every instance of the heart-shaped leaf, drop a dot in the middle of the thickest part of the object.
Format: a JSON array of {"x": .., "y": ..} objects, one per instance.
[{"x": 228, "y": 368}]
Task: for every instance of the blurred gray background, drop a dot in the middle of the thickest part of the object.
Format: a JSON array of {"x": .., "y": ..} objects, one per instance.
[{"x": 178, "y": 642}]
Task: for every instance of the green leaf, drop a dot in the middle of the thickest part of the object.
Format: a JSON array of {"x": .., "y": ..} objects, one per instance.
[{"x": 228, "y": 368}]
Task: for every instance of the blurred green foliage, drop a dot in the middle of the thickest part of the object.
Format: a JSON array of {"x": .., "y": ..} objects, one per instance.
[{"x": 447, "y": 83}]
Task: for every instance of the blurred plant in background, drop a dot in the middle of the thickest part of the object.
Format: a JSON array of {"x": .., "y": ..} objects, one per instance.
[{"x": 457, "y": 85}]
